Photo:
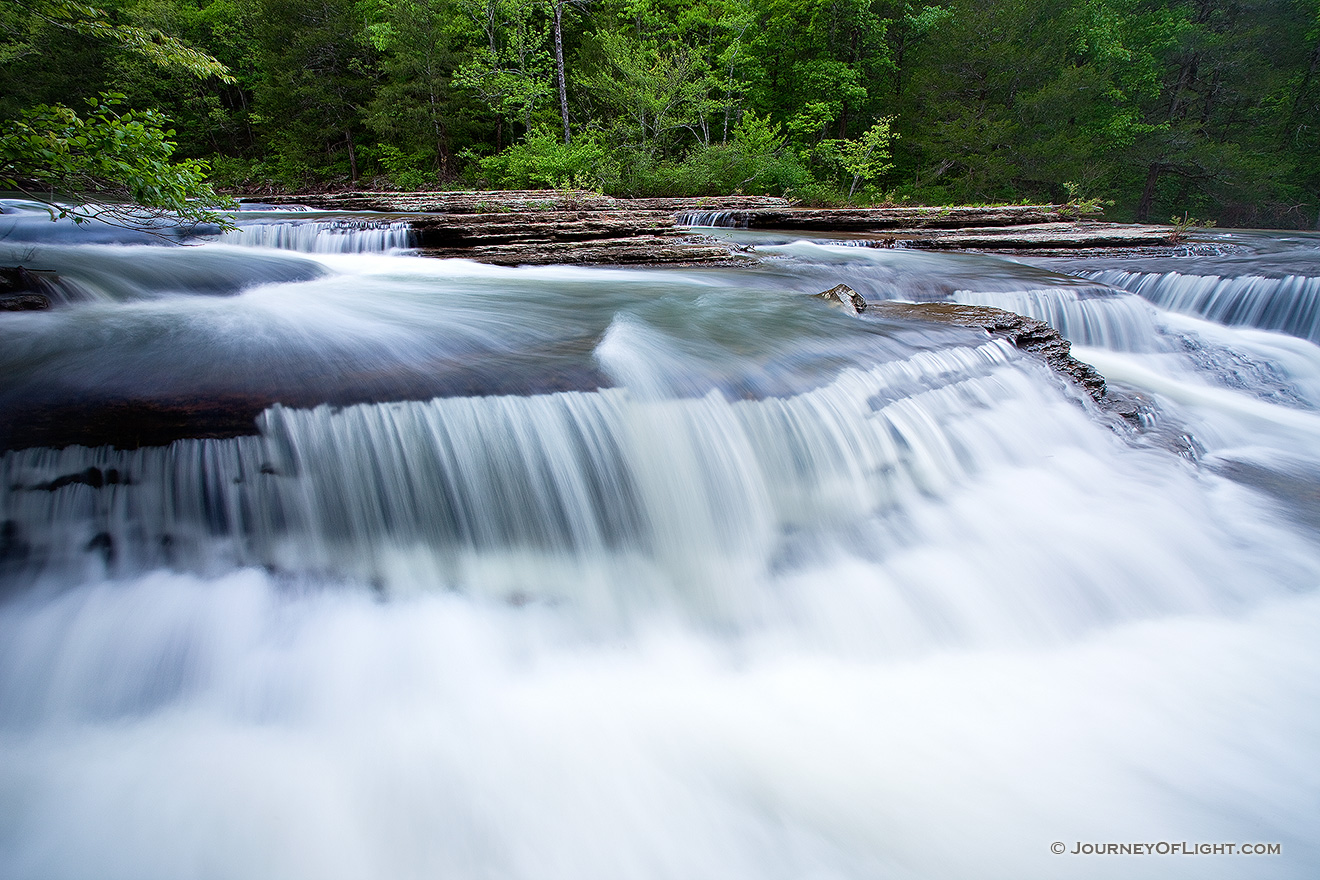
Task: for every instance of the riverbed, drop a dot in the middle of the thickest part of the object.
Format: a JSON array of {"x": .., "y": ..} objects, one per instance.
[{"x": 591, "y": 573}]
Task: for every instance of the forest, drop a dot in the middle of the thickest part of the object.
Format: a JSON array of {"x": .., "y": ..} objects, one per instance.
[{"x": 1152, "y": 108}]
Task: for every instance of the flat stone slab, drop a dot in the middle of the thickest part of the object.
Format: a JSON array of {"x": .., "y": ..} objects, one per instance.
[{"x": 640, "y": 250}]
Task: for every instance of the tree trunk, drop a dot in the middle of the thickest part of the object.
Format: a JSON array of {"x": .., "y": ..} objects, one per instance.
[
  {"x": 559, "y": 65},
  {"x": 352, "y": 156},
  {"x": 1148, "y": 194}
]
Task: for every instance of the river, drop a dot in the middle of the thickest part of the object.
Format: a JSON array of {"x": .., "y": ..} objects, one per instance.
[{"x": 658, "y": 573}]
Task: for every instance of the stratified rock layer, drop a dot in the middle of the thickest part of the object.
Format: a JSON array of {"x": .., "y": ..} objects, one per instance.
[
  {"x": 1028, "y": 334},
  {"x": 537, "y": 227}
]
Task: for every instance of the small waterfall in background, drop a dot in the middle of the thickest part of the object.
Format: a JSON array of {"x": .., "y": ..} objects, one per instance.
[
  {"x": 741, "y": 587},
  {"x": 339, "y": 235},
  {"x": 1290, "y": 304},
  {"x": 724, "y": 219}
]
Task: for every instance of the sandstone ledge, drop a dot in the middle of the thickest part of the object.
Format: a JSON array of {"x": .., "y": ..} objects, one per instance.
[
  {"x": 1027, "y": 334},
  {"x": 522, "y": 227}
]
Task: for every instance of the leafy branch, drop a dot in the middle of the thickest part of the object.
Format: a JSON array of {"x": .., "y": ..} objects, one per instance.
[{"x": 111, "y": 151}]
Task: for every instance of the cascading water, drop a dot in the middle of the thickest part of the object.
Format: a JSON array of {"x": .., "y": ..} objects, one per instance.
[
  {"x": 334, "y": 235},
  {"x": 657, "y": 574},
  {"x": 1290, "y": 304},
  {"x": 719, "y": 219}
]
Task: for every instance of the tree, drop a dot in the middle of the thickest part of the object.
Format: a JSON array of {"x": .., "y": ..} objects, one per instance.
[
  {"x": 512, "y": 70},
  {"x": 416, "y": 108},
  {"x": 317, "y": 72},
  {"x": 111, "y": 151}
]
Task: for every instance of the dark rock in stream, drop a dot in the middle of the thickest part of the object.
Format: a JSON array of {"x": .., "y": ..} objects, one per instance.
[
  {"x": 156, "y": 418},
  {"x": 23, "y": 290},
  {"x": 24, "y": 302},
  {"x": 845, "y": 297}
]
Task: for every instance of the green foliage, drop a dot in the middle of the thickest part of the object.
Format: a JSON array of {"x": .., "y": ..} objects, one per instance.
[
  {"x": 543, "y": 161},
  {"x": 1078, "y": 206},
  {"x": 1148, "y": 105},
  {"x": 405, "y": 170},
  {"x": 109, "y": 152},
  {"x": 756, "y": 161},
  {"x": 1183, "y": 225},
  {"x": 511, "y": 72},
  {"x": 862, "y": 159},
  {"x": 152, "y": 44}
]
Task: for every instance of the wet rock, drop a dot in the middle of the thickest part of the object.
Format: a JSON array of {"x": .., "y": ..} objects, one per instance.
[
  {"x": 24, "y": 302},
  {"x": 103, "y": 543},
  {"x": 22, "y": 290},
  {"x": 56, "y": 418},
  {"x": 895, "y": 218},
  {"x": 1036, "y": 238},
  {"x": 526, "y": 224},
  {"x": 844, "y": 297},
  {"x": 13, "y": 549},
  {"x": 92, "y": 476},
  {"x": 1027, "y": 334},
  {"x": 638, "y": 250}
]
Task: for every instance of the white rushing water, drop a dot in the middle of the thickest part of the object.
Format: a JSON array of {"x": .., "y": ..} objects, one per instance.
[
  {"x": 721, "y": 219},
  {"x": 1290, "y": 304},
  {"x": 770, "y": 592},
  {"x": 334, "y": 235}
]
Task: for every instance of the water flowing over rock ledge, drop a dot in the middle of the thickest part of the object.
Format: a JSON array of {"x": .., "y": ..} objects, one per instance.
[
  {"x": 1027, "y": 334},
  {"x": 160, "y": 420},
  {"x": 22, "y": 290},
  {"x": 531, "y": 227}
]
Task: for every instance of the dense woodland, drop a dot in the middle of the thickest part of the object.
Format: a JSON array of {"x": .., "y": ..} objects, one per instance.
[{"x": 1201, "y": 107}]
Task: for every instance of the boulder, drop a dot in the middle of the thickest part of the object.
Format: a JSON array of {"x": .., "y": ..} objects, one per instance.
[
  {"x": 844, "y": 297},
  {"x": 22, "y": 290},
  {"x": 23, "y": 302}
]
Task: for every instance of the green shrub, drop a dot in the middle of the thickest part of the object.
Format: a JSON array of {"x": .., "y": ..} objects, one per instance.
[
  {"x": 407, "y": 171},
  {"x": 541, "y": 161},
  {"x": 754, "y": 162}
]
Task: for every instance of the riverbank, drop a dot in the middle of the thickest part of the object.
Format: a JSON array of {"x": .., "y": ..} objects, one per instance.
[{"x": 540, "y": 227}]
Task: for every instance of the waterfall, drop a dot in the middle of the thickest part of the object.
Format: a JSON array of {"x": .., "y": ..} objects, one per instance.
[
  {"x": 565, "y": 573},
  {"x": 1290, "y": 304},
  {"x": 577, "y": 477},
  {"x": 1120, "y": 322},
  {"x": 726, "y": 219},
  {"x": 341, "y": 235}
]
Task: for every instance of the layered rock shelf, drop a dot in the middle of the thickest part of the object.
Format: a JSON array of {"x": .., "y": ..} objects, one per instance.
[
  {"x": 673, "y": 249},
  {"x": 530, "y": 227},
  {"x": 1031, "y": 335},
  {"x": 497, "y": 201}
]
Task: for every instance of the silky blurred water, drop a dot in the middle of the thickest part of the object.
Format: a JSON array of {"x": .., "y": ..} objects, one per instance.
[{"x": 661, "y": 574}]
